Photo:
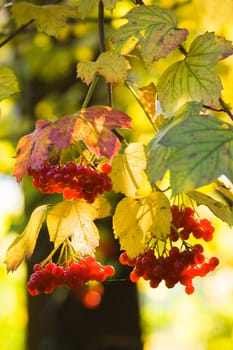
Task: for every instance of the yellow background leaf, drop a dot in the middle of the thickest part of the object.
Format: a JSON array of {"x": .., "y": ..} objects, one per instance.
[
  {"x": 128, "y": 170},
  {"x": 74, "y": 220},
  {"x": 24, "y": 245},
  {"x": 49, "y": 18}
]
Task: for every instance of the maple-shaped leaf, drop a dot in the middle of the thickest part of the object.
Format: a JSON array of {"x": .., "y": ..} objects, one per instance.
[
  {"x": 8, "y": 83},
  {"x": 135, "y": 220},
  {"x": 112, "y": 67},
  {"x": 154, "y": 28},
  {"x": 75, "y": 220},
  {"x": 33, "y": 149},
  {"x": 219, "y": 209},
  {"x": 23, "y": 246},
  {"x": 127, "y": 170},
  {"x": 93, "y": 126},
  {"x": 48, "y": 19},
  {"x": 194, "y": 78},
  {"x": 197, "y": 149}
]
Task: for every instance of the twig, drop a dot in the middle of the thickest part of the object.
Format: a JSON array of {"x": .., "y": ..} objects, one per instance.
[
  {"x": 102, "y": 46},
  {"x": 16, "y": 32},
  {"x": 224, "y": 108}
]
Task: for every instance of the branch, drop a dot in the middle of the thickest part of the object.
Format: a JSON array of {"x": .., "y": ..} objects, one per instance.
[
  {"x": 16, "y": 32},
  {"x": 224, "y": 108},
  {"x": 102, "y": 46}
]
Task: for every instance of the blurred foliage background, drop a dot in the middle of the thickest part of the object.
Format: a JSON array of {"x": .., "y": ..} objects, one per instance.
[{"x": 46, "y": 70}]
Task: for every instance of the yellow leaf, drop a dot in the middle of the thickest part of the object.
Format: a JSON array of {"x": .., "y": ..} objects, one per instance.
[
  {"x": 112, "y": 67},
  {"x": 49, "y": 18},
  {"x": 126, "y": 228},
  {"x": 24, "y": 245},
  {"x": 75, "y": 220},
  {"x": 136, "y": 219},
  {"x": 154, "y": 214},
  {"x": 128, "y": 170}
]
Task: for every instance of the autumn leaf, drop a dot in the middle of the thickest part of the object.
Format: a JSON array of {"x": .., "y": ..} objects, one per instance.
[
  {"x": 8, "y": 83},
  {"x": 85, "y": 7},
  {"x": 129, "y": 168},
  {"x": 23, "y": 246},
  {"x": 194, "y": 78},
  {"x": 93, "y": 126},
  {"x": 48, "y": 19},
  {"x": 197, "y": 149},
  {"x": 33, "y": 149},
  {"x": 154, "y": 28},
  {"x": 219, "y": 209},
  {"x": 75, "y": 220},
  {"x": 135, "y": 219},
  {"x": 112, "y": 67}
]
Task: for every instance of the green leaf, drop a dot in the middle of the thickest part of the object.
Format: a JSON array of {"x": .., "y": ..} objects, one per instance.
[
  {"x": 23, "y": 246},
  {"x": 112, "y": 67},
  {"x": 154, "y": 28},
  {"x": 85, "y": 7},
  {"x": 136, "y": 220},
  {"x": 194, "y": 78},
  {"x": 75, "y": 220},
  {"x": 127, "y": 170},
  {"x": 110, "y": 4},
  {"x": 8, "y": 83},
  {"x": 158, "y": 155},
  {"x": 49, "y": 18},
  {"x": 202, "y": 150},
  {"x": 219, "y": 209}
]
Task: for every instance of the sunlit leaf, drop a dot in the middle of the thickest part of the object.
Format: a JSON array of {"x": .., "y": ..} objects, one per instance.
[
  {"x": 75, "y": 220},
  {"x": 111, "y": 66},
  {"x": 136, "y": 220},
  {"x": 128, "y": 168},
  {"x": 194, "y": 78},
  {"x": 33, "y": 149},
  {"x": 219, "y": 209},
  {"x": 23, "y": 246},
  {"x": 92, "y": 125},
  {"x": 154, "y": 28},
  {"x": 147, "y": 97},
  {"x": 49, "y": 18},
  {"x": 201, "y": 149},
  {"x": 8, "y": 83},
  {"x": 225, "y": 187}
]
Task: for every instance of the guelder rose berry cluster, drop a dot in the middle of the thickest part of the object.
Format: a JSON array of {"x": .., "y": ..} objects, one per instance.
[
  {"x": 75, "y": 275},
  {"x": 73, "y": 181},
  {"x": 176, "y": 265}
]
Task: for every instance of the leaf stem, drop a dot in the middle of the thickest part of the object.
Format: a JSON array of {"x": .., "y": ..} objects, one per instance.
[
  {"x": 224, "y": 108},
  {"x": 183, "y": 50},
  {"x": 90, "y": 92},
  {"x": 101, "y": 20}
]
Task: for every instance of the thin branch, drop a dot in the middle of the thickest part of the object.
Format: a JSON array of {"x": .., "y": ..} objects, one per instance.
[
  {"x": 16, "y": 32},
  {"x": 90, "y": 92},
  {"x": 101, "y": 21},
  {"x": 183, "y": 50},
  {"x": 224, "y": 108}
]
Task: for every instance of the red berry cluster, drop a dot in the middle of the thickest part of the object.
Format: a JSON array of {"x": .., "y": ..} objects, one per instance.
[
  {"x": 73, "y": 181},
  {"x": 184, "y": 223},
  {"x": 74, "y": 276},
  {"x": 177, "y": 267}
]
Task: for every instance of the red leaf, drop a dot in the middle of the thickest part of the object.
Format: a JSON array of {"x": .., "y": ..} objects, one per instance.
[
  {"x": 93, "y": 126},
  {"x": 33, "y": 149}
]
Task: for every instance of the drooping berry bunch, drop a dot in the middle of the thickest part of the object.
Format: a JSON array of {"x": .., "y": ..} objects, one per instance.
[
  {"x": 73, "y": 181},
  {"x": 178, "y": 266},
  {"x": 74, "y": 276},
  {"x": 184, "y": 223}
]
